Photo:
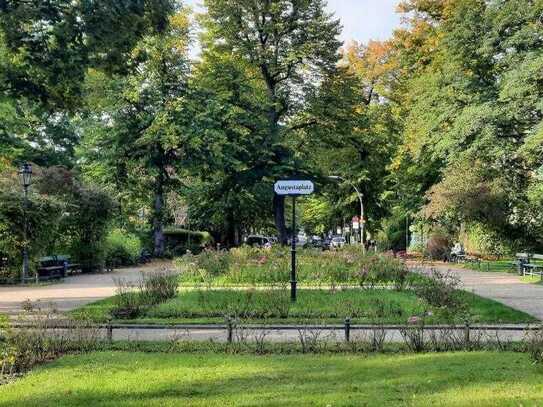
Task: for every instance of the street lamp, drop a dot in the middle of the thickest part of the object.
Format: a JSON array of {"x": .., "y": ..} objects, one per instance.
[
  {"x": 25, "y": 174},
  {"x": 361, "y": 199}
]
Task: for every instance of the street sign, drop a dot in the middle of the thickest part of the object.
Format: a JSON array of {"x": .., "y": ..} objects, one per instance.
[{"x": 294, "y": 188}]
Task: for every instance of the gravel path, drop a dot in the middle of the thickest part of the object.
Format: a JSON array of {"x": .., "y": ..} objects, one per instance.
[
  {"x": 79, "y": 290},
  {"x": 71, "y": 293},
  {"x": 507, "y": 288}
]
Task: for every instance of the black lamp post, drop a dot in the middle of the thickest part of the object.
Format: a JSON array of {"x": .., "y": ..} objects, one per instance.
[{"x": 25, "y": 174}]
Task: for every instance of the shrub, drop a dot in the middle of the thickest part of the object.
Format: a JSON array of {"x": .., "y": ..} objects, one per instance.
[
  {"x": 25, "y": 347},
  {"x": 179, "y": 241},
  {"x": 438, "y": 247},
  {"x": 413, "y": 334},
  {"x": 159, "y": 286},
  {"x": 479, "y": 239},
  {"x": 534, "y": 344},
  {"x": 383, "y": 270},
  {"x": 441, "y": 291},
  {"x": 248, "y": 265},
  {"x": 153, "y": 288},
  {"x": 88, "y": 226},
  {"x": 208, "y": 264},
  {"x": 43, "y": 216},
  {"x": 127, "y": 301},
  {"x": 391, "y": 235},
  {"x": 122, "y": 248},
  {"x": 85, "y": 223}
]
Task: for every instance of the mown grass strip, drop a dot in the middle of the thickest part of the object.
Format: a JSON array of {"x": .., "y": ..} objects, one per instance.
[{"x": 158, "y": 379}]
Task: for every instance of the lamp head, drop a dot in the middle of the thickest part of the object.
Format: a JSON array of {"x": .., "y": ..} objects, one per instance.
[{"x": 26, "y": 175}]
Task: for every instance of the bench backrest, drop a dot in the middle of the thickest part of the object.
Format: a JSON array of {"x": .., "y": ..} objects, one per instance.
[
  {"x": 52, "y": 261},
  {"x": 523, "y": 256},
  {"x": 537, "y": 256}
]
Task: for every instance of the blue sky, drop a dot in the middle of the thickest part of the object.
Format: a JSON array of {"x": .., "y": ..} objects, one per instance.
[{"x": 362, "y": 20}]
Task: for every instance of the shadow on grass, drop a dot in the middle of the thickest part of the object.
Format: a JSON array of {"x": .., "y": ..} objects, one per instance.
[{"x": 119, "y": 379}]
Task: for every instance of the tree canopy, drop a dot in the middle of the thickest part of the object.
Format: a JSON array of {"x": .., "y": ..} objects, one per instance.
[{"x": 440, "y": 125}]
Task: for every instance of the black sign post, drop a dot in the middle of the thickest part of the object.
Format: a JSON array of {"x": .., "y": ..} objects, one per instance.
[
  {"x": 293, "y": 281},
  {"x": 294, "y": 189}
]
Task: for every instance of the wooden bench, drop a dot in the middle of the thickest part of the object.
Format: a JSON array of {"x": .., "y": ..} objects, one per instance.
[
  {"x": 521, "y": 259},
  {"x": 531, "y": 268},
  {"x": 465, "y": 258},
  {"x": 55, "y": 267},
  {"x": 51, "y": 268}
]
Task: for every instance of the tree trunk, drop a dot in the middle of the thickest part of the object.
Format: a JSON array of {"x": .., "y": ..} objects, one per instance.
[
  {"x": 158, "y": 218},
  {"x": 237, "y": 235},
  {"x": 228, "y": 233},
  {"x": 279, "y": 216},
  {"x": 274, "y": 117}
]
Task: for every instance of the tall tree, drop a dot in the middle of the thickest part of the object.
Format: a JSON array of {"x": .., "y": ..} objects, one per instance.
[
  {"x": 46, "y": 50},
  {"x": 293, "y": 43},
  {"x": 471, "y": 113},
  {"x": 143, "y": 135},
  {"x": 229, "y": 197},
  {"x": 51, "y": 44}
]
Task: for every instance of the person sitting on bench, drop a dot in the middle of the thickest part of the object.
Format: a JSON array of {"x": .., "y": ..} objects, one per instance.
[{"x": 457, "y": 252}]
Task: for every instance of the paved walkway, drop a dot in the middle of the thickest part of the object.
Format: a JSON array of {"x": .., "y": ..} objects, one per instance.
[
  {"x": 71, "y": 293},
  {"x": 79, "y": 290},
  {"x": 507, "y": 288}
]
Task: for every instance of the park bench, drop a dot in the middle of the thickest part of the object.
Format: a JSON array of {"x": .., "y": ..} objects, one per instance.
[
  {"x": 520, "y": 260},
  {"x": 465, "y": 258},
  {"x": 532, "y": 268},
  {"x": 55, "y": 267},
  {"x": 527, "y": 264}
]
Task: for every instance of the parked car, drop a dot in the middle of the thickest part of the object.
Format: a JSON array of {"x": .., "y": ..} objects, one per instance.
[
  {"x": 326, "y": 243},
  {"x": 259, "y": 241},
  {"x": 338, "y": 242},
  {"x": 301, "y": 240},
  {"x": 316, "y": 242}
]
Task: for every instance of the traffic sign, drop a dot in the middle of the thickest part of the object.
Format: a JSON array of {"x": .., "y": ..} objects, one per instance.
[{"x": 294, "y": 188}]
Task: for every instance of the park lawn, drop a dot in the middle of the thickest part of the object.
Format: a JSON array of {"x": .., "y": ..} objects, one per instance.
[
  {"x": 493, "y": 266},
  {"x": 313, "y": 306},
  {"x": 206, "y": 379},
  {"x": 496, "y": 266},
  {"x": 532, "y": 280}
]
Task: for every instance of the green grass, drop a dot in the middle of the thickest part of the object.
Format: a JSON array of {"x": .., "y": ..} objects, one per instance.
[
  {"x": 156, "y": 379},
  {"x": 496, "y": 266},
  {"x": 483, "y": 310},
  {"x": 532, "y": 280},
  {"x": 264, "y": 306}
]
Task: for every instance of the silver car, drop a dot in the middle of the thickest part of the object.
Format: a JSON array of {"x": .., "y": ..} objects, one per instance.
[{"x": 338, "y": 242}]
